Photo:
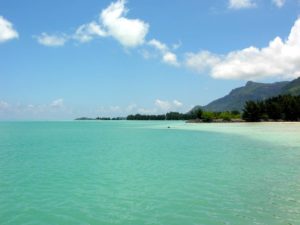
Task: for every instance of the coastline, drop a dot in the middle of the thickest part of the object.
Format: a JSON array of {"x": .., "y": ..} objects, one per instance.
[
  {"x": 285, "y": 133},
  {"x": 240, "y": 121},
  {"x": 217, "y": 121}
]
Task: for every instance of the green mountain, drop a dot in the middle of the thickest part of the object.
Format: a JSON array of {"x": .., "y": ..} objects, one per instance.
[
  {"x": 292, "y": 87},
  {"x": 236, "y": 99}
]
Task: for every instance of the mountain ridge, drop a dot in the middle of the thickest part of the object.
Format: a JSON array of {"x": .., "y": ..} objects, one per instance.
[{"x": 253, "y": 91}]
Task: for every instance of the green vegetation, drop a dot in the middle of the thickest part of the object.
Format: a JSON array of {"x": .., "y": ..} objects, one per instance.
[
  {"x": 208, "y": 116},
  {"x": 196, "y": 115},
  {"x": 146, "y": 117},
  {"x": 169, "y": 116},
  {"x": 100, "y": 118},
  {"x": 292, "y": 88},
  {"x": 250, "y": 99},
  {"x": 282, "y": 107},
  {"x": 252, "y": 91}
]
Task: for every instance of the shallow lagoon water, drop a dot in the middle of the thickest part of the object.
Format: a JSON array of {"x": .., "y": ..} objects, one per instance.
[{"x": 128, "y": 172}]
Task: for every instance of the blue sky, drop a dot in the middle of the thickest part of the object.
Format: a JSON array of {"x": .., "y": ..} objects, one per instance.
[{"x": 63, "y": 59}]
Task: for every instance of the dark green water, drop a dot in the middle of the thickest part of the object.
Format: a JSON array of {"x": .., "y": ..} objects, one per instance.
[{"x": 142, "y": 173}]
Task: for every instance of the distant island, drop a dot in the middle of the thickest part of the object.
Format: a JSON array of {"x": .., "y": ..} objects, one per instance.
[{"x": 254, "y": 102}]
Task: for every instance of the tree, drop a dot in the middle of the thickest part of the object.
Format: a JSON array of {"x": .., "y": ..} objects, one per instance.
[
  {"x": 173, "y": 116},
  {"x": 199, "y": 113},
  {"x": 273, "y": 109},
  {"x": 226, "y": 116},
  {"x": 252, "y": 112},
  {"x": 207, "y": 116}
]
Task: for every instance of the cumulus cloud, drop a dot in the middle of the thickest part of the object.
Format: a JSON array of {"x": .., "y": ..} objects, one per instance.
[
  {"x": 19, "y": 110},
  {"x": 159, "y": 106},
  {"x": 58, "y": 103},
  {"x": 129, "y": 32},
  {"x": 52, "y": 40},
  {"x": 158, "y": 45},
  {"x": 202, "y": 61},
  {"x": 281, "y": 58},
  {"x": 89, "y": 31},
  {"x": 241, "y": 4},
  {"x": 112, "y": 23},
  {"x": 177, "y": 103},
  {"x": 279, "y": 3},
  {"x": 167, "y": 56},
  {"x": 170, "y": 58},
  {"x": 163, "y": 105},
  {"x": 7, "y": 31},
  {"x": 166, "y": 106},
  {"x": 146, "y": 111}
]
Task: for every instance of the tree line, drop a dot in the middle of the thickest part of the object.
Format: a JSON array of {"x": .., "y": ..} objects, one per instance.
[
  {"x": 197, "y": 114},
  {"x": 282, "y": 107}
]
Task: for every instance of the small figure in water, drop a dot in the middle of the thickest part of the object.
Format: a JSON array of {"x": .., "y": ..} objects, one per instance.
[{"x": 169, "y": 127}]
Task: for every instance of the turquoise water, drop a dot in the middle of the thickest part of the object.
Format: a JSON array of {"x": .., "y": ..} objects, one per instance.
[{"x": 143, "y": 173}]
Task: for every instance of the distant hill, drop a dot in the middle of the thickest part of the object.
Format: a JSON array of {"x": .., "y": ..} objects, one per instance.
[
  {"x": 292, "y": 87},
  {"x": 236, "y": 99}
]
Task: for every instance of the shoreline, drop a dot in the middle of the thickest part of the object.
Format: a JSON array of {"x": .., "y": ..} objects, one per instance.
[
  {"x": 217, "y": 121},
  {"x": 268, "y": 131},
  {"x": 239, "y": 121}
]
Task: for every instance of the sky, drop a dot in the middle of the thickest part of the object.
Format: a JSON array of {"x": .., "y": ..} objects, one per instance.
[{"x": 64, "y": 59}]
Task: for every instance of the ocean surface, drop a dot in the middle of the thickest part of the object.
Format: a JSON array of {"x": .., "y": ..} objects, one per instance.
[{"x": 127, "y": 172}]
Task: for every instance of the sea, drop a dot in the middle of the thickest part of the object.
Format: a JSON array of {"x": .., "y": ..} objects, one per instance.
[{"x": 147, "y": 172}]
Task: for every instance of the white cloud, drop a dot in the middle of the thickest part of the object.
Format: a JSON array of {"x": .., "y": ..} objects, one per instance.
[
  {"x": 87, "y": 32},
  {"x": 281, "y": 58},
  {"x": 158, "y": 45},
  {"x": 241, "y": 4},
  {"x": 146, "y": 111},
  {"x": 163, "y": 105},
  {"x": 202, "y": 61},
  {"x": 160, "y": 106},
  {"x": 131, "y": 107},
  {"x": 54, "y": 109},
  {"x": 177, "y": 45},
  {"x": 279, "y": 3},
  {"x": 177, "y": 103},
  {"x": 3, "y": 105},
  {"x": 7, "y": 31},
  {"x": 52, "y": 40},
  {"x": 112, "y": 22},
  {"x": 167, "y": 56},
  {"x": 129, "y": 32},
  {"x": 170, "y": 58},
  {"x": 58, "y": 103},
  {"x": 166, "y": 106}
]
